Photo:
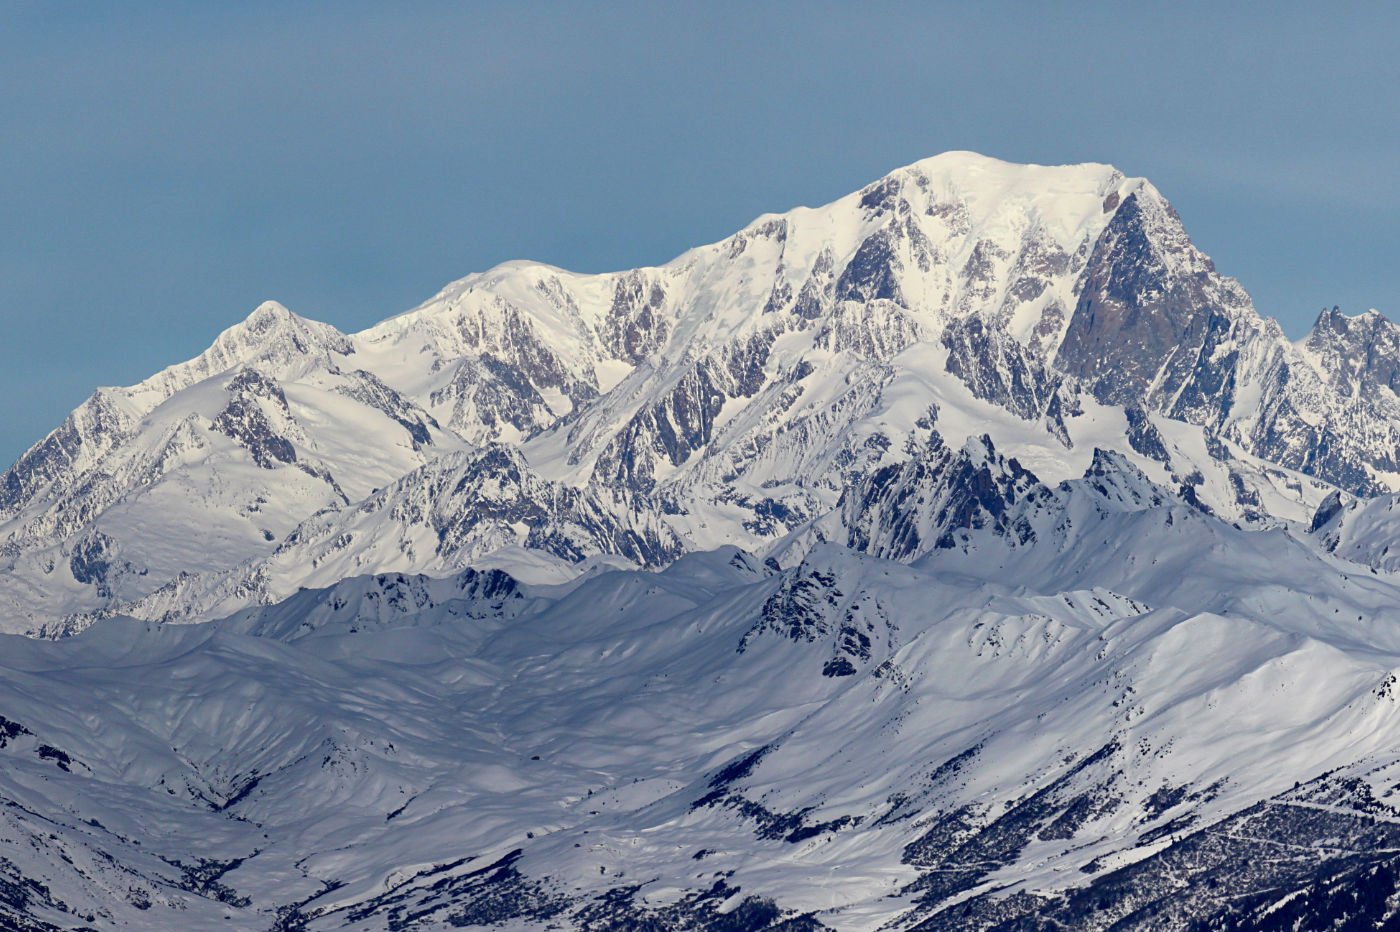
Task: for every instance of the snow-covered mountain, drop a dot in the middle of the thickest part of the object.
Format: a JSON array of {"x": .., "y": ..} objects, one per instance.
[
  {"x": 964, "y": 553},
  {"x": 732, "y": 396}
]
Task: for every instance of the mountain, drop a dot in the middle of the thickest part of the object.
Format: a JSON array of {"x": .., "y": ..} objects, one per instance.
[
  {"x": 966, "y": 553},
  {"x": 730, "y": 396}
]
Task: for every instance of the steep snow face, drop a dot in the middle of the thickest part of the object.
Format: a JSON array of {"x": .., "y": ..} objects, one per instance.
[
  {"x": 1017, "y": 724},
  {"x": 734, "y": 396},
  {"x": 500, "y": 355}
]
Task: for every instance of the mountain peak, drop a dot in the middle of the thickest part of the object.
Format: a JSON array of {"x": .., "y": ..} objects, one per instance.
[
  {"x": 1334, "y": 318},
  {"x": 1118, "y": 481},
  {"x": 271, "y": 338},
  {"x": 1352, "y": 349},
  {"x": 965, "y": 161},
  {"x": 266, "y": 315},
  {"x": 269, "y": 318},
  {"x": 972, "y": 173}
]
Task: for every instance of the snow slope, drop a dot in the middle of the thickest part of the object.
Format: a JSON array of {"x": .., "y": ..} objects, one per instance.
[{"x": 852, "y": 743}]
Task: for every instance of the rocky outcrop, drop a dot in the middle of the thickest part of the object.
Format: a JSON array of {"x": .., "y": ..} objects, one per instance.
[{"x": 902, "y": 511}]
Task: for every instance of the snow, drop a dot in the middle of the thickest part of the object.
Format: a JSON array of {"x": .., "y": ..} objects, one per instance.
[{"x": 387, "y": 745}]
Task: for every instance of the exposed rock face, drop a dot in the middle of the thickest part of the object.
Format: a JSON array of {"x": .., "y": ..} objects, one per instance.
[
  {"x": 1152, "y": 317},
  {"x": 1358, "y": 353},
  {"x": 369, "y": 389},
  {"x": 665, "y": 433},
  {"x": 814, "y": 605},
  {"x": 492, "y": 396},
  {"x": 1365, "y": 531},
  {"x": 998, "y": 368},
  {"x": 1354, "y": 360},
  {"x": 905, "y": 510},
  {"x": 254, "y": 403},
  {"x": 1304, "y": 889},
  {"x": 636, "y": 325}
]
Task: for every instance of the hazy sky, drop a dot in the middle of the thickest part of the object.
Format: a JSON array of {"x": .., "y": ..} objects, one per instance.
[{"x": 163, "y": 168}]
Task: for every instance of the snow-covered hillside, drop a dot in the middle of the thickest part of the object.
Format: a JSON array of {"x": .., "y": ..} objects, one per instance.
[{"x": 1127, "y": 703}]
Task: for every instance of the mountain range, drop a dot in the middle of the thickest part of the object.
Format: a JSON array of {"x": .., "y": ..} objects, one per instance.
[{"x": 966, "y": 553}]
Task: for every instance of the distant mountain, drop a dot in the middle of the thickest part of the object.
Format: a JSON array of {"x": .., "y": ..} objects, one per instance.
[{"x": 732, "y": 396}]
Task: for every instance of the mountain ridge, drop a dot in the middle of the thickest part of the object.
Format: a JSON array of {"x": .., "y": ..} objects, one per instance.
[
  {"x": 410, "y": 752},
  {"x": 740, "y": 387}
]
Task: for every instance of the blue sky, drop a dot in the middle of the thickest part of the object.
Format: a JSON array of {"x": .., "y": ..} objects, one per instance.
[{"x": 165, "y": 167}]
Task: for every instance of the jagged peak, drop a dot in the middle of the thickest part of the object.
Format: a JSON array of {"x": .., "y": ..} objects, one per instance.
[
  {"x": 1111, "y": 463},
  {"x": 272, "y": 339},
  {"x": 1343, "y": 349},
  {"x": 268, "y": 312},
  {"x": 1335, "y": 319},
  {"x": 1145, "y": 209},
  {"x": 271, "y": 320},
  {"x": 1115, "y": 479},
  {"x": 980, "y": 449}
]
